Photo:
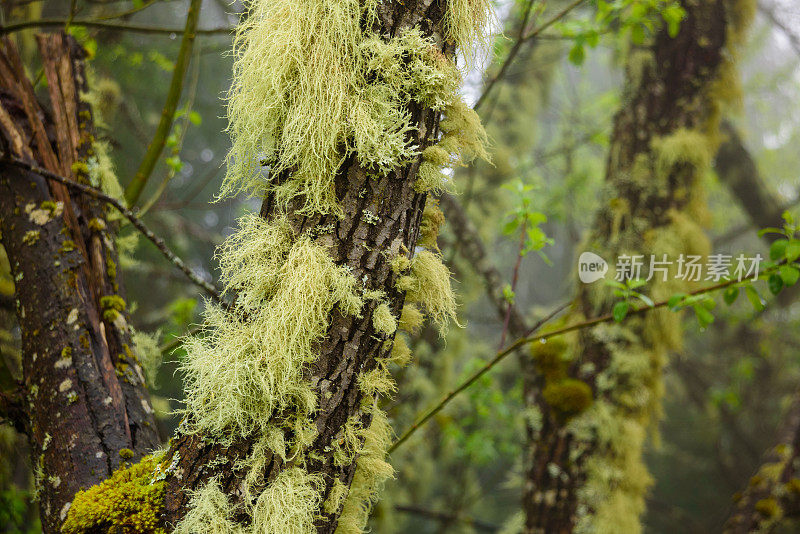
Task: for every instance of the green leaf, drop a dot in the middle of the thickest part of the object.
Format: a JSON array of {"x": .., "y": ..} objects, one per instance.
[
  {"x": 647, "y": 300},
  {"x": 778, "y": 249},
  {"x": 754, "y": 298},
  {"x": 704, "y": 317},
  {"x": 789, "y": 274},
  {"x": 620, "y": 311},
  {"x": 195, "y": 118},
  {"x": 770, "y": 230},
  {"x": 730, "y": 295},
  {"x": 775, "y": 283},
  {"x": 577, "y": 54},
  {"x": 792, "y": 251},
  {"x": 675, "y": 300},
  {"x": 511, "y": 226}
]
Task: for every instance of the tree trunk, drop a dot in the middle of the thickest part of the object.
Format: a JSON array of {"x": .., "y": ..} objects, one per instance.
[
  {"x": 602, "y": 391},
  {"x": 86, "y": 409},
  {"x": 382, "y": 216}
]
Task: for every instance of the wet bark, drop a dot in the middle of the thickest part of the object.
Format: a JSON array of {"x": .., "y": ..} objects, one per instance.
[{"x": 84, "y": 394}]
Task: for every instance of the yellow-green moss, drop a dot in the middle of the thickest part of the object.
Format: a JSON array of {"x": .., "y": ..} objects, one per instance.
[
  {"x": 768, "y": 507},
  {"x": 550, "y": 357},
  {"x": 125, "y": 502},
  {"x": 31, "y": 237},
  {"x": 568, "y": 397},
  {"x": 112, "y": 306}
]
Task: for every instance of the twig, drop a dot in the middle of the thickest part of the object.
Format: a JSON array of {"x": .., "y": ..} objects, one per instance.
[
  {"x": 426, "y": 416},
  {"x": 514, "y": 279},
  {"x": 128, "y": 214},
  {"x": 521, "y": 39},
  {"x": 136, "y": 185},
  {"x": 445, "y": 517},
  {"x": 135, "y": 28},
  {"x": 128, "y": 12}
]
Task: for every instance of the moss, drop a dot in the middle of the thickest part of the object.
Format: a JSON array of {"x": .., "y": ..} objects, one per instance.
[
  {"x": 768, "y": 507},
  {"x": 125, "y": 502},
  {"x": 429, "y": 284},
  {"x": 147, "y": 353},
  {"x": 400, "y": 263},
  {"x": 97, "y": 224},
  {"x": 550, "y": 357},
  {"x": 125, "y": 454},
  {"x": 31, "y": 237},
  {"x": 67, "y": 246},
  {"x": 401, "y": 353},
  {"x": 432, "y": 221},
  {"x": 568, "y": 397},
  {"x": 372, "y": 471},
  {"x": 112, "y": 306},
  {"x": 683, "y": 146}
]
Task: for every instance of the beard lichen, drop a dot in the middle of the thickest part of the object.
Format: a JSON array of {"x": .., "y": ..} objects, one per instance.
[
  {"x": 428, "y": 284},
  {"x": 311, "y": 86}
]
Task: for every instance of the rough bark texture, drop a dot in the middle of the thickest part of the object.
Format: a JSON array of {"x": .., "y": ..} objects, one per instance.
[
  {"x": 85, "y": 394},
  {"x": 381, "y": 216},
  {"x": 663, "y": 96}
]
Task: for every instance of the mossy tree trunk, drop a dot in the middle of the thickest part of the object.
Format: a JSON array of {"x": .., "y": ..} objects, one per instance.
[
  {"x": 382, "y": 216},
  {"x": 585, "y": 462},
  {"x": 83, "y": 401}
]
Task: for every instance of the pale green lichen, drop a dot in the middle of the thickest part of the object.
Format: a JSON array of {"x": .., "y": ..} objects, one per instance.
[
  {"x": 383, "y": 320},
  {"x": 411, "y": 318},
  {"x": 242, "y": 371},
  {"x": 147, "y": 352},
  {"x": 428, "y": 283},
  {"x": 310, "y": 87},
  {"x": 372, "y": 471}
]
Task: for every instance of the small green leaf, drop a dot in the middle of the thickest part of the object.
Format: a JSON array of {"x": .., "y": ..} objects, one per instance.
[
  {"x": 754, "y": 298},
  {"x": 195, "y": 118},
  {"x": 778, "y": 249},
  {"x": 647, "y": 300},
  {"x": 730, "y": 295},
  {"x": 789, "y": 274},
  {"x": 675, "y": 300},
  {"x": 792, "y": 251},
  {"x": 775, "y": 283},
  {"x": 704, "y": 317},
  {"x": 577, "y": 54},
  {"x": 620, "y": 311}
]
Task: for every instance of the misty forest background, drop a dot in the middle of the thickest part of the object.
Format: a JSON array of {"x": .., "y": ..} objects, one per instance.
[{"x": 549, "y": 117}]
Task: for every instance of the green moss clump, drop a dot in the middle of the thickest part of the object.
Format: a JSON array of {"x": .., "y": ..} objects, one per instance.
[
  {"x": 568, "y": 397},
  {"x": 550, "y": 358},
  {"x": 112, "y": 306},
  {"x": 768, "y": 507},
  {"x": 31, "y": 237},
  {"x": 125, "y": 502},
  {"x": 125, "y": 454}
]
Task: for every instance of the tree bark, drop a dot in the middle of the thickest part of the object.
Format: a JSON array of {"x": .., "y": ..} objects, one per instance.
[{"x": 85, "y": 400}]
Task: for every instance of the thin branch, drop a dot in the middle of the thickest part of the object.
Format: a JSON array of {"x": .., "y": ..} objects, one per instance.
[
  {"x": 93, "y": 23},
  {"x": 128, "y": 12},
  {"x": 128, "y": 214},
  {"x": 433, "y": 410},
  {"x": 522, "y": 39},
  {"x": 151, "y": 157}
]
